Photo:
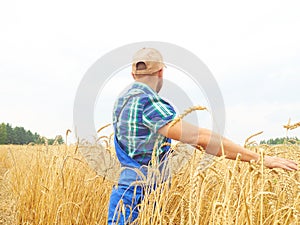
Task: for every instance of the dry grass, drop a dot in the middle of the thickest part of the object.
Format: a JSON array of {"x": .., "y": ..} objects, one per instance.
[{"x": 54, "y": 185}]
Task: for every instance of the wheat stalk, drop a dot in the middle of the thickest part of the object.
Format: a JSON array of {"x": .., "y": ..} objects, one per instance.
[
  {"x": 253, "y": 135},
  {"x": 101, "y": 128},
  {"x": 292, "y": 127},
  {"x": 186, "y": 112},
  {"x": 67, "y": 133}
]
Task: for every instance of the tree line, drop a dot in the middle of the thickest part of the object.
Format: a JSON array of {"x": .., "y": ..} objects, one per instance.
[
  {"x": 20, "y": 136},
  {"x": 277, "y": 141}
]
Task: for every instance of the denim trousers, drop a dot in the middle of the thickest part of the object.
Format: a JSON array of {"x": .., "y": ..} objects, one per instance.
[{"x": 123, "y": 204}]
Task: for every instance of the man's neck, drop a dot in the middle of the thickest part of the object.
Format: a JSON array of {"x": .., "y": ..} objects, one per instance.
[{"x": 148, "y": 82}]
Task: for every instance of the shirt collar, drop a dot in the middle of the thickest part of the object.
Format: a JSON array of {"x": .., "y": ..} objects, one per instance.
[{"x": 144, "y": 87}]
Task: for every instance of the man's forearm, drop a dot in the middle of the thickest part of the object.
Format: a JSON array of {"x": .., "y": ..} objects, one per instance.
[
  {"x": 231, "y": 150},
  {"x": 215, "y": 145}
]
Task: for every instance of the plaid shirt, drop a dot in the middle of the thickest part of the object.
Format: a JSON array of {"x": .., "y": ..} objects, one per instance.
[{"x": 137, "y": 117}]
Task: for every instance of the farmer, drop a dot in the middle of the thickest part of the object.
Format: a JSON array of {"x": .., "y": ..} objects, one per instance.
[{"x": 142, "y": 119}]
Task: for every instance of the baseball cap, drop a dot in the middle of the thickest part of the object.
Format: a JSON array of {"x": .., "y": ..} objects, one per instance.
[{"x": 152, "y": 59}]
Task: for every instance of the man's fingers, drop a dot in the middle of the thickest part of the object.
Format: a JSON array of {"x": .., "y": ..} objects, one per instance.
[
  {"x": 276, "y": 162},
  {"x": 291, "y": 164},
  {"x": 294, "y": 166}
]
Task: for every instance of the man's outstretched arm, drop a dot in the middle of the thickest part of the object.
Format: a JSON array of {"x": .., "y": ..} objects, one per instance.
[{"x": 190, "y": 134}]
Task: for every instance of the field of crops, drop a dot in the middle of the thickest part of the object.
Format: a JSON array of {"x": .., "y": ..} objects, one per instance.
[{"x": 54, "y": 185}]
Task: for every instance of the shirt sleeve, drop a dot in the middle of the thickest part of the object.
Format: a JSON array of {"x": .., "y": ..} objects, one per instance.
[{"x": 157, "y": 113}]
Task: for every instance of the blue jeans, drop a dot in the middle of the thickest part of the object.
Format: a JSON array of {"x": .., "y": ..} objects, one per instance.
[{"x": 131, "y": 197}]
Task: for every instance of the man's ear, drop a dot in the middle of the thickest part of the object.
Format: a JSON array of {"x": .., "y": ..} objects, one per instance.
[
  {"x": 160, "y": 72},
  {"x": 134, "y": 77}
]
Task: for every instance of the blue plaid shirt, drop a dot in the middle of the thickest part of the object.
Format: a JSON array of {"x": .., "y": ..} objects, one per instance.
[{"x": 137, "y": 117}]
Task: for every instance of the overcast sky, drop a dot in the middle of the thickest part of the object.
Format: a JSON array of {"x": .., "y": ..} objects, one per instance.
[{"x": 251, "y": 47}]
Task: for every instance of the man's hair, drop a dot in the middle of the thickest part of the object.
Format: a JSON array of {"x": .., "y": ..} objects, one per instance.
[{"x": 141, "y": 66}]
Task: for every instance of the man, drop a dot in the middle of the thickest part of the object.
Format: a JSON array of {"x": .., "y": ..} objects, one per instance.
[{"x": 142, "y": 122}]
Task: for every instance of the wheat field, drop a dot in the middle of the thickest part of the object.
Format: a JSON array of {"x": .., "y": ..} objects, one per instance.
[{"x": 42, "y": 184}]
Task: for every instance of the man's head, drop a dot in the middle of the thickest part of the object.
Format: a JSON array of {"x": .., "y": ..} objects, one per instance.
[
  {"x": 152, "y": 59},
  {"x": 147, "y": 67}
]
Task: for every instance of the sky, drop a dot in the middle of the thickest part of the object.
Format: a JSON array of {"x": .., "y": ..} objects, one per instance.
[{"x": 251, "y": 47}]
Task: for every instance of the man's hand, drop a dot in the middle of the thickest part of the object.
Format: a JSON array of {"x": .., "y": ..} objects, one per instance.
[{"x": 276, "y": 162}]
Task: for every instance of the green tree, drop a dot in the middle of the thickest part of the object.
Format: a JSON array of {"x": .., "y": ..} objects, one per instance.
[
  {"x": 60, "y": 140},
  {"x": 3, "y": 134},
  {"x": 10, "y": 134},
  {"x": 50, "y": 141},
  {"x": 20, "y": 136},
  {"x": 278, "y": 141}
]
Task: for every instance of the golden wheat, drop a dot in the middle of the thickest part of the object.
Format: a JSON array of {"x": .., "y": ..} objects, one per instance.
[
  {"x": 253, "y": 135},
  {"x": 55, "y": 185},
  {"x": 292, "y": 127}
]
